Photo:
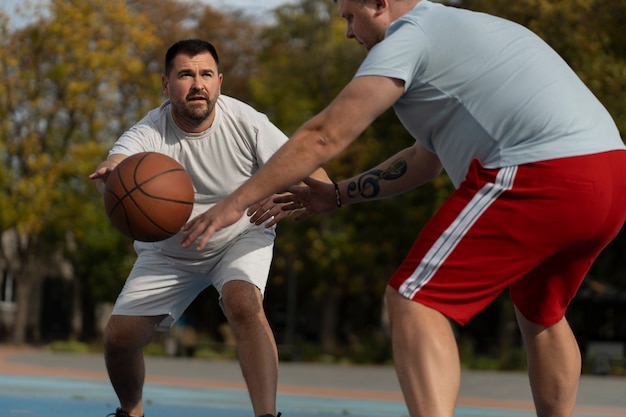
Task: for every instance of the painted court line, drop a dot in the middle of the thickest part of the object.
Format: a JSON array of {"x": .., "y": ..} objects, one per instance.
[
  {"x": 45, "y": 396},
  {"x": 29, "y": 389}
]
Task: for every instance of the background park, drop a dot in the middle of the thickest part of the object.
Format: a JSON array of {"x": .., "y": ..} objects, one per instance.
[{"x": 77, "y": 74}]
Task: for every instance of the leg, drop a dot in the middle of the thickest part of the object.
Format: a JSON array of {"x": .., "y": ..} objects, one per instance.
[
  {"x": 554, "y": 366},
  {"x": 256, "y": 347},
  {"x": 125, "y": 337},
  {"x": 426, "y": 357}
]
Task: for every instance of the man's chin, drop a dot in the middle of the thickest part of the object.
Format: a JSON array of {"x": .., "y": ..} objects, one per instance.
[{"x": 197, "y": 114}]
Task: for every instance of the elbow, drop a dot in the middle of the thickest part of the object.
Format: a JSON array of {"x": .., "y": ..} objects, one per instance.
[{"x": 325, "y": 147}]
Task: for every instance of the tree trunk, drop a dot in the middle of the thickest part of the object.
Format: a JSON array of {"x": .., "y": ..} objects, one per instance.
[
  {"x": 76, "y": 324},
  {"x": 328, "y": 324},
  {"x": 23, "y": 264},
  {"x": 24, "y": 291}
]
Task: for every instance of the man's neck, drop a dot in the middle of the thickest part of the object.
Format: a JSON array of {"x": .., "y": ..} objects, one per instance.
[{"x": 401, "y": 7}]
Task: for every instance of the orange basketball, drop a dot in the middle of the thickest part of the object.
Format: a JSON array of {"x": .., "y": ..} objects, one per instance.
[{"x": 149, "y": 196}]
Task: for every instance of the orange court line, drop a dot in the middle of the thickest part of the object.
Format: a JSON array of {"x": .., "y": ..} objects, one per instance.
[{"x": 12, "y": 368}]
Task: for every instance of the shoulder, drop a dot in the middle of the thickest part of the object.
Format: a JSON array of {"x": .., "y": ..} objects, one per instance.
[
  {"x": 242, "y": 114},
  {"x": 405, "y": 50},
  {"x": 155, "y": 117},
  {"x": 237, "y": 108},
  {"x": 159, "y": 114},
  {"x": 248, "y": 122},
  {"x": 153, "y": 124}
]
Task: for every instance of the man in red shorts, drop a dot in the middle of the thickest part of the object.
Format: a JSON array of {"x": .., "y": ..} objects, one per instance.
[{"x": 540, "y": 172}]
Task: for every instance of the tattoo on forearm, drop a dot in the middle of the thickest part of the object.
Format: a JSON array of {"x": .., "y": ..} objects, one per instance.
[{"x": 368, "y": 184}]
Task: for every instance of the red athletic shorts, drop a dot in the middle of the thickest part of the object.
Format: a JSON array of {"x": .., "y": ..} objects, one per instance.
[{"x": 534, "y": 228}]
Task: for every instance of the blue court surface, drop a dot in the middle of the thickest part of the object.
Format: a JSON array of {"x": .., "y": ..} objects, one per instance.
[
  {"x": 47, "y": 397},
  {"x": 44, "y": 384}
]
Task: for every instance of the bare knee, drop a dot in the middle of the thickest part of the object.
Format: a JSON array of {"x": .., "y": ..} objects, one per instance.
[
  {"x": 242, "y": 302},
  {"x": 128, "y": 333}
]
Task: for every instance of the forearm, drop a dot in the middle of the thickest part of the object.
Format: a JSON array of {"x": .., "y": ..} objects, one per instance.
[{"x": 402, "y": 172}]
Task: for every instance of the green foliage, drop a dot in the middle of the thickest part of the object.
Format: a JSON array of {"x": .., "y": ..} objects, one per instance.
[
  {"x": 83, "y": 72},
  {"x": 303, "y": 63},
  {"x": 228, "y": 352},
  {"x": 64, "y": 100},
  {"x": 71, "y": 346},
  {"x": 154, "y": 349}
]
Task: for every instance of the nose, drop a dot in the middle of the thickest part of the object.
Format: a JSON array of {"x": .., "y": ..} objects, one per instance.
[
  {"x": 349, "y": 32},
  {"x": 197, "y": 83}
]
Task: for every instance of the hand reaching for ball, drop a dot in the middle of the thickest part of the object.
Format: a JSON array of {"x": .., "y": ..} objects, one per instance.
[{"x": 101, "y": 174}]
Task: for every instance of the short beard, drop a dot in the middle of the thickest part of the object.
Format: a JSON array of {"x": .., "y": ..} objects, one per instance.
[{"x": 194, "y": 114}]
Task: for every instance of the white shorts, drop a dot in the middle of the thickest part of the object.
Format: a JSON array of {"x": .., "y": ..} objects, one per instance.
[{"x": 158, "y": 285}]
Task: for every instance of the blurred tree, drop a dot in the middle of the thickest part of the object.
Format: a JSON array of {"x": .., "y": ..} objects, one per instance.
[
  {"x": 83, "y": 72},
  {"x": 232, "y": 33},
  {"x": 71, "y": 81}
]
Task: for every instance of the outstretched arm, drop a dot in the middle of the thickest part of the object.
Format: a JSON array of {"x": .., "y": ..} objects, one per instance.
[{"x": 402, "y": 172}]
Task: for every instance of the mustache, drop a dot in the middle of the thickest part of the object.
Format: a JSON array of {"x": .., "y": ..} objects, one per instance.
[{"x": 197, "y": 95}]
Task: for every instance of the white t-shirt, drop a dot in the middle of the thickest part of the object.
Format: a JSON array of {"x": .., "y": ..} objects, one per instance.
[
  {"x": 218, "y": 160},
  {"x": 477, "y": 86}
]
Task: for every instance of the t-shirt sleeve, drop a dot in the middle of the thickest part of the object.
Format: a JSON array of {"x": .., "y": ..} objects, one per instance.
[
  {"x": 269, "y": 139},
  {"x": 139, "y": 138},
  {"x": 402, "y": 54}
]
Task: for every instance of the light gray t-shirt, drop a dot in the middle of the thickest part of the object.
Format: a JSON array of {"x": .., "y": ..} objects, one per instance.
[
  {"x": 477, "y": 86},
  {"x": 218, "y": 160}
]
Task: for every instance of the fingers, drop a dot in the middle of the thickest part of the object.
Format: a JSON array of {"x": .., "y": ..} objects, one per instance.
[
  {"x": 289, "y": 202},
  {"x": 101, "y": 173},
  {"x": 204, "y": 240},
  {"x": 270, "y": 211},
  {"x": 293, "y": 199},
  {"x": 284, "y": 198},
  {"x": 97, "y": 174},
  {"x": 205, "y": 225},
  {"x": 193, "y": 230},
  {"x": 272, "y": 215}
]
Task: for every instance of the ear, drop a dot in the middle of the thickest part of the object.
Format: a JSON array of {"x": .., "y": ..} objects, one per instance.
[
  {"x": 165, "y": 85},
  {"x": 380, "y": 5}
]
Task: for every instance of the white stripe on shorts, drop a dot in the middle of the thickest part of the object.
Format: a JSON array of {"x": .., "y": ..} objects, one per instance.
[{"x": 448, "y": 240}]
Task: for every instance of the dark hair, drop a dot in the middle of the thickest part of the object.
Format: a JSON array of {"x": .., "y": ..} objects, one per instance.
[{"x": 190, "y": 47}]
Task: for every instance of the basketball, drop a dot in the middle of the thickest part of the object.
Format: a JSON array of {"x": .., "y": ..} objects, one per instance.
[{"x": 149, "y": 196}]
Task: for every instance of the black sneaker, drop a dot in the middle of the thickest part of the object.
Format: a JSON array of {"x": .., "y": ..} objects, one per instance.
[
  {"x": 270, "y": 415},
  {"x": 121, "y": 413}
]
